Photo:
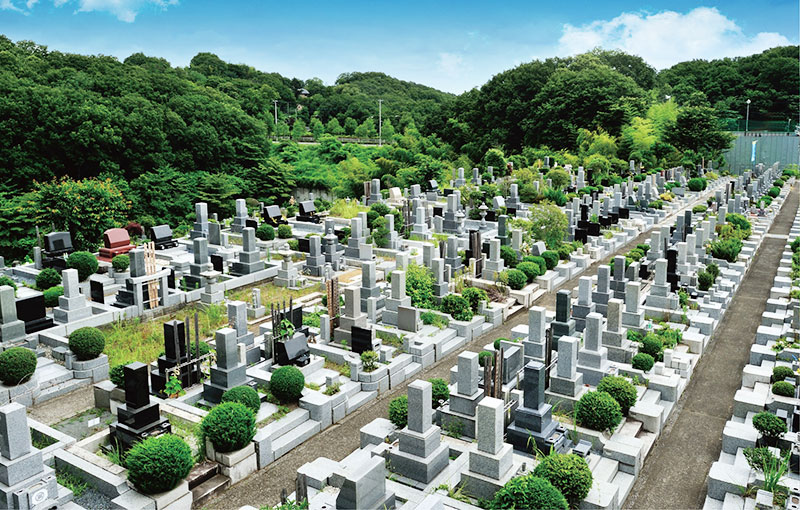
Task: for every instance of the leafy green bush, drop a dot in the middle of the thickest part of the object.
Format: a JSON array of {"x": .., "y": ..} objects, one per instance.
[
  {"x": 598, "y": 410},
  {"x": 398, "y": 411},
  {"x": 704, "y": 280},
  {"x": 434, "y": 319},
  {"x": 509, "y": 256},
  {"x": 569, "y": 473},
  {"x": 475, "y": 296},
  {"x": 528, "y": 492},
  {"x": 555, "y": 196},
  {"x": 699, "y": 209},
  {"x": 713, "y": 270},
  {"x": 550, "y": 258},
  {"x": 485, "y": 357},
  {"x": 774, "y": 192},
  {"x": 87, "y": 343},
  {"x": 530, "y": 269},
  {"x": 158, "y": 464},
  {"x": 457, "y": 307},
  {"x": 643, "y": 361},
  {"x": 284, "y": 231},
  {"x": 778, "y": 182},
  {"x": 516, "y": 279},
  {"x": 769, "y": 426},
  {"x": 419, "y": 285},
  {"x": 229, "y": 426},
  {"x": 536, "y": 259},
  {"x": 783, "y": 389},
  {"x": 369, "y": 359},
  {"x": 620, "y": 389},
  {"x": 440, "y": 392},
  {"x": 265, "y": 232},
  {"x": 781, "y": 372},
  {"x": 287, "y": 383},
  {"x": 697, "y": 184},
  {"x": 17, "y": 365},
  {"x": 121, "y": 263},
  {"x": 52, "y": 294},
  {"x": 244, "y": 395},
  {"x": 757, "y": 458},
  {"x": 738, "y": 221},
  {"x": 117, "y": 375},
  {"x": 84, "y": 262},
  {"x": 48, "y": 277},
  {"x": 652, "y": 345}
]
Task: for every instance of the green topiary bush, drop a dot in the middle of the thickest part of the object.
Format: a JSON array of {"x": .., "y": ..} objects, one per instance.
[
  {"x": 516, "y": 279},
  {"x": 398, "y": 411},
  {"x": 508, "y": 255},
  {"x": 652, "y": 345},
  {"x": 440, "y": 392},
  {"x": 598, "y": 410},
  {"x": 528, "y": 491},
  {"x": 530, "y": 269},
  {"x": 621, "y": 389},
  {"x": 783, "y": 389},
  {"x": 229, "y": 426},
  {"x": 726, "y": 249},
  {"x": 538, "y": 261},
  {"x": 287, "y": 383},
  {"x": 265, "y": 232},
  {"x": 569, "y": 473},
  {"x": 244, "y": 395},
  {"x": 704, "y": 280},
  {"x": 51, "y": 295},
  {"x": 699, "y": 209},
  {"x": 158, "y": 464},
  {"x": 369, "y": 360},
  {"x": 643, "y": 362},
  {"x": 713, "y": 270},
  {"x": 781, "y": 372},
  {"x": 84, "y": 262},
  {"x": 475, "y": 295},
  {"x": 485, "y": 357},
  {"x": 774, "y": 192},
  {"x": 769, "y": 426},
  {"x": 17, "y": 365},
  {"x": 739, "y": 221},
  {"x": 550, "y": 258},
  {"x": 117, "y": 375},
  {"x": 48, "y": 277},
  {"x": 5, "y": 280},
  {"x": 457, "y": 307},
  {"x": 696, "y": 184},
  {"x": 121, "y": 263},
  {"x": 284, "y": 231},
  {"x": 87, "y": 343}
]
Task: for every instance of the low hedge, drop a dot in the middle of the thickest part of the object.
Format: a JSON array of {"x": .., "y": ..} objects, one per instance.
[
  {"x": 87, "y": 343},
  {"x": 643, "y": 361},
  {"x": 569, "y": 473},
  {"x": 398, "y": 411},
  {"x": 550, "y": 258},
  {"x": 229, "y": 426},
  {"x": 47, "y": 278},
  {"x": 598, "y": 410},
  {"x": 528, "y": 492},
  {"x": 158, "y": 464},
  {"x": 516, "y": 279},
  {"x": 781, "y": 372},
  {"x": 620, "y": 389},
  {"x": 783, "y": 389}
]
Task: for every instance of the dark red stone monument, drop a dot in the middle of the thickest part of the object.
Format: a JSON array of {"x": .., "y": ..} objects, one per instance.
[{"x": 116, "y": 241}]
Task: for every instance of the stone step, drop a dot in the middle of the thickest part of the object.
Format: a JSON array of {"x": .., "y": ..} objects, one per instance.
[
  {"x": 360, "y": 399},
  {"x": 287, "y": 423},
  {"x": 631, "y": 427},
  {"x": 60, "y": 389},
  {"x": 605, "y": 470},
  {"x": 51, "y": 374},
  {"x": 207, "y": 489},
  {"x": 412, "y": 369},
  {"x": 201, "y": 473},
  {"x": 443, "y": 335},
  {"x": 351, "y": 388},
  {"x": 650, "y": 397},
  {"x": 452, "y": 345},
  {"x": 296, "y": 436}
]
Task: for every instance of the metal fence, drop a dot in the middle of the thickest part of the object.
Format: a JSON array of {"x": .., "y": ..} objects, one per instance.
[
  {"x": 775, "y": 126},
  {"x": 768, "y": 148}
]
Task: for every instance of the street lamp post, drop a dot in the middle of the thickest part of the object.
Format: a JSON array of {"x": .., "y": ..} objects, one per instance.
[
  {"x": 380, "y": 124},
  {"x": 275, "y": 102},
  {"x": 747, "y": 118}
]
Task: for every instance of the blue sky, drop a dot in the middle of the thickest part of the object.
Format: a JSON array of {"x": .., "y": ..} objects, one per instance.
[{"x": 453, "y": 48}]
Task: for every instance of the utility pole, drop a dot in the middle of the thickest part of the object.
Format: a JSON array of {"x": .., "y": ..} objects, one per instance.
[
  {"x": 275, "y": 102},
  {"x": 380, "y": 124},
  {"x": 747, "y": 118}
]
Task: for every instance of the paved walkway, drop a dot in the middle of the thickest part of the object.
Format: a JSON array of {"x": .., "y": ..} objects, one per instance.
[
  {"x": 675, "y": 473},
  {"x": 336, "y": 442}
]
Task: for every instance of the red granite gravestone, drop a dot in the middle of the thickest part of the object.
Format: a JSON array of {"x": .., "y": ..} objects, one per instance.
[{"x": 116, "y": 241}]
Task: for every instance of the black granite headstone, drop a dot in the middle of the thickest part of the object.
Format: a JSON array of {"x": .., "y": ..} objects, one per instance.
[
  {"x": 96, "y": 291},
  {"x": 31, "y": 311},
  {"x": 360, "y": 339}
]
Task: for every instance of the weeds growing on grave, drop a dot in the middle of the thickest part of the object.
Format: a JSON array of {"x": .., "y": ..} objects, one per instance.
[{"x": 71, "y": 481}]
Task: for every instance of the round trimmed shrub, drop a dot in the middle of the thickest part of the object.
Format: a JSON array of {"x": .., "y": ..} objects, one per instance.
[
  {"x": 530, "y": 269},
  {"x": 769, "y": 426},
  {"x": 536, "y": 259},
  {"x": 643, "y": 362},
  {"x": 284, "y": 231},
  {"x": 121, "y": 263},
  {"x": 398, "y": 411},
  {"x": 475, "y": 295},
  {"x": 704, "y": 280},
  {"x": 84, "y": 262},
  {"x": 528, "y": 492},
  {"x": 287, "y": 383},
  {"x": 229, "y": 426},
  {"x": 117, "y": 375},
  {"x": 696, "y": 184},
  {"x": 485, "y": 357},
  {"x": 550, "y": 258},
  {"x": 48, "y": 277},
  {"x": 52, "y": 294},
  {"x": 620, "y": 389},
  {"x": 699, "y": 209},
  {"x": 87, "y": 343},
  {"x": 780, "y": 373},
  {"x": 457, "y": 307},
  {"x": 5, "y": 280},
  {"x": 738, "y": 221},
  {"x": 516, "y": 279},
  {"x": 713, "y": 270},
  {"x": 17, "y": 365},
  {"x": 598, "y": 410},
  {"x": 652, "y": 345},
  {"x": 244, "y": 395},
  {"x": 774, "y": 192},
  {"x": 508, "y": 255},
  {"x": 440, "y": 392},
  {"x": 569, "y": 473},
  {"x": 265, "y": 232},
  {"x": 159, "y": 463},
  {"x": 783, "y": 388}
]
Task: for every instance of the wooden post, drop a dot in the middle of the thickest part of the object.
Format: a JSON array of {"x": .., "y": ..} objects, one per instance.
[
  {"x": 197, "y": 342},
  {"x": 150, "y": 268},
  {"x": 498, "y": 374}
]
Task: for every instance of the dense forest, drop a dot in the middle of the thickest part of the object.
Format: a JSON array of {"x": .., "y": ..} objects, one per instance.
[{"x": 141, "y": 140}]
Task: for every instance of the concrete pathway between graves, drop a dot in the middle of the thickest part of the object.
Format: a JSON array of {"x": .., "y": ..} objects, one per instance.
[
  {"x": 66, "y": 406},
  {"x": 675, "y": 473},
  {"x": 338, "y": 441}
]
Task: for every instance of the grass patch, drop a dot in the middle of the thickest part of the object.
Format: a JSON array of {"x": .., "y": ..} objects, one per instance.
[
  {"x": 40, "y": 440},
  {"x": 277, "y": 415},
  {"x": 71, "y": 481},
  {"x": 390, "y": 339},
  {"x": 344, "y": 209},
  {"x": 342, "y": 369}
]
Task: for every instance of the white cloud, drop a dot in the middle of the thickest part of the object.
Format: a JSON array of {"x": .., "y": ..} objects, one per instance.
[
  {"x": 450, "y": 63},
  {"x": 124, "y": 10},
  {"x": 668, "y": 37},
  {"x": 8, "y": 5}
]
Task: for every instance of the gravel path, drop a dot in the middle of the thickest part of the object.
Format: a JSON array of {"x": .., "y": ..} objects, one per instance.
[
  {"x": 675, "y": 473},
  {"x": 66, "y": 406},
  {"x": 338, "y": 441}
]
